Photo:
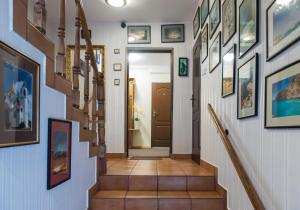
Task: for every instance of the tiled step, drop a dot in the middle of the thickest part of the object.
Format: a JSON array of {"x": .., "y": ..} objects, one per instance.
[{"x": 154, "y": 200}]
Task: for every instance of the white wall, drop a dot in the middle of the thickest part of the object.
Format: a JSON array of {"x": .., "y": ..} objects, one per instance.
[
  {"x": 271, "y": 157},
  {"x": 23, "y": 170},
  {"x": 144, "y": 77},
  {"x": 113, "y": 37}
]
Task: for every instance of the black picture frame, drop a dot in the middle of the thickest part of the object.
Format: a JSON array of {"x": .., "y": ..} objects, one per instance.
[
  {"x": 204, "y": 18},
  {"x": 224, "y": 11},
  {"x": 218, "y": 38},
  {"x": 281, "y": 70},
  {"x": 146, "y": 28},
  {"x": 204, "y": 33},
  {"x": 183, "y": 72},
  {"x": 212, "y": 30},
  {"x": 233, "y": 48},
  {"x": 241, "y": 55},
  {"x": 55, "y": 179},
  {"x": 196, "y": 18},
  {"x": 255, "y": 113},
  {"x": 174, "y": 40},
  {"x": 292, "y": 42}
]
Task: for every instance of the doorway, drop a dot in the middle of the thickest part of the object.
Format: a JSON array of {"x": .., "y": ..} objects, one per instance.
[{"x": 149, "y": 102}]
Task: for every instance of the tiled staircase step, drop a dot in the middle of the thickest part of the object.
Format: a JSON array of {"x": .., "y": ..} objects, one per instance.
[
  {"x": 201, "y": 183},
  {"x": 143, "y": 183},
  {"x": 144, "y": 200},
  {"x": 114, "y": 182},
  {"x": 170, "y": 183},
  {"x": 109, "y": 200},
  {"x": 174, "y": 200},
  {"x": 206, "y": 200}
]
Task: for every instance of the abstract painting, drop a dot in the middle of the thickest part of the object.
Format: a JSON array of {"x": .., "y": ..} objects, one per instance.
[
  {"x": 248, "y": 26},
  {"x": 59, "y": 152},
  {"x": 214, "y": 18},
  {"x": 215, "y": 53},
  {"x": 204, "y": 10},
  {"x": 283, "y": 26},
  {"x": 196, "y": 23},
  {"x": 228, "y": 72},
  {"x": 172, "y": 33},
  {"x": 204, "y": 43},
  {"x": 20, "y": 98},
  {"x": 139, "y": 34},
  {"x": 247, "y": 89},
  {"x": 283, "y": 97},
  {"x": 228, "y": 20},
  {"x": 183, "y": 67}
]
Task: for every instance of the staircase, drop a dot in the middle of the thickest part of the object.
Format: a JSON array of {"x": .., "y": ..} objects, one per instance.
[{"x": 158, "y": 184}]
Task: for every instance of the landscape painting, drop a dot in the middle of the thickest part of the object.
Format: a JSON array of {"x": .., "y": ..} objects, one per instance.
[
  {"x": 172, "y": 33},
  {"x": 247, "y": 89},
  {"x": 196, "y": 23},
  {"x": 228, "y": 72},
  {"x": 204, "y": 43},
  {"x": 248, "y": 26},
  {"x": 139, "y": 34},
  {"x": 204, "y": 11},
  {"x": 59, "y": 152},
  {"x": 283, "y": 26},
  {"x": 228, "y": 20},
  {"x": 214, "y": 18},
  {"x": 215, "y": 53},
  {"x": 283, "y": 97}
]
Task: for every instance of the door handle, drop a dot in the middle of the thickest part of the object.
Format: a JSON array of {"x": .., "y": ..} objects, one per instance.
[
  {"x": 155, "y": 114},
  {"x": 192, "y": 99}
]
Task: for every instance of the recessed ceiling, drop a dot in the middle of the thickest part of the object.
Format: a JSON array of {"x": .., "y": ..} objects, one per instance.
[{"x": 134, "y": 11}]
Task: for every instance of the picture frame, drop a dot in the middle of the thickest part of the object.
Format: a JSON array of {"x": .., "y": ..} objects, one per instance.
[
  {"x": 247, "y": 97},
  {"x": 117, "y": 82},
  {"x": 282, "y": 101},
  {"x": 116, "y": 51},
  {"x": 282, "y": 32},
  {"x": 140, "y": 34},
  {"x": 196, "y": 23},
  {"x": 228, "y": 72},
  {"x": 204, "y": 12},
  {"x": 183, "y": 67},
  {"x": 20, "y": 94},
  {"x": 214, "y": 18},
  {"x": 59, "y": 152},
  {"x": 117, "y": 66},
  {"x": 204, "y": 43},
  {"x": 215, "y": 53},
  {"x": 248, "y": 26},
  {"x": 173, "y": 33},
  {"x": 228, "y": 20}
]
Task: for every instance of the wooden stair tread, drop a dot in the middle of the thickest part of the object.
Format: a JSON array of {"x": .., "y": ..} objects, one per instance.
[
  {"x": 110, "y": 194},
  {"x": 87, "y": 135}
]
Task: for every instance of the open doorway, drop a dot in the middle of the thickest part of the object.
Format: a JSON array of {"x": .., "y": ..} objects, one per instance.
[{"x": 149, "y": 102}]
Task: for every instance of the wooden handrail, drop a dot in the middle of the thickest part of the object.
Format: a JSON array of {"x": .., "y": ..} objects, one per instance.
[{"x": 249, "y": 187}]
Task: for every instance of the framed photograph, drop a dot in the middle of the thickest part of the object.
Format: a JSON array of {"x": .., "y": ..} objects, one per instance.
[
  {"x": 117, "y": 66},
  {"x": 117, "y": 82},
  {"x": 204, "y": 43},
  {"x": 282, "y": 98},
  {"x": 283, "y": 26},
  {"x": 196, "y": 22},
  {"x": 214, "y": 17},
  {"x": 247, "y": 99},
  {"x": 116, "y": 51},
  {"x": 215, "y": 53},
  {"x": 172, "y": 33},
  {"x": 139, "y": 34},
  {"x": 183, "y": 67},
  {"x": 248, "y": 26},
  {"x": 228, "y": 20},
  {"x": 59, "y": 152},
  {"x": 228, "y": 72},
  {"x": 204, "y": 10},
  {"x": 20, "y": 93}
]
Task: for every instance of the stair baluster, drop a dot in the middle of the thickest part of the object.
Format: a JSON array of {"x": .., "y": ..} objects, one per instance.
[
  {"x": 61, "y": 53},
  {"x": 40, "y": 15},
  {"x": 86, "y": 90}
]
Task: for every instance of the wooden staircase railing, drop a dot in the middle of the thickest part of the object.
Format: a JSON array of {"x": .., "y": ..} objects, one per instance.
[{"x": 248, "y": 185}]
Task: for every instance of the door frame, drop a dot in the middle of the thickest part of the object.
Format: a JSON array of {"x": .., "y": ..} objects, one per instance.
[{"x": 147, "y": 50}]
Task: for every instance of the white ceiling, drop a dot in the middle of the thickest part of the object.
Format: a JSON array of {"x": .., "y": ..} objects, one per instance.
[{"x": 135, "y": 11}]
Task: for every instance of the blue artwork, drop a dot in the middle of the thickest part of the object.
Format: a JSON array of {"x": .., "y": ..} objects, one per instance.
[
  {"x": 286, "y": 97},
  {"x": 18, "y": 85},
  {"x": 60, "y": 152}
]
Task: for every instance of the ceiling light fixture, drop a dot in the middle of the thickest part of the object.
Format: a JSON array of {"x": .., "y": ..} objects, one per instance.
[{"x": 116, "y": 3}]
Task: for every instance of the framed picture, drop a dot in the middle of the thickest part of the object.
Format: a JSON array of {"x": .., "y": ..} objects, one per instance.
[
  {"x": 117, "y": 82},
  {"x": 116, "y": 51},
  {"x": 183, "y": 67},
  {"x": 247, "y": 99},
  {"x": 172, "y": 33},
  {"x": 117, "y": 66},
  {"x": 248, "y": 26},
  {"x": 196, "y": 22},
  {"x": 59, "y": 152},
  {"x": 228, "y": 72},
  {"x": 204, "y": 10},
  {"x": 20, "y": 93},
  {"x": 228, "y": 20},
  {"x": 214, "y": 17},
  {"x": 139, "y": 34},
  {"x": 282, "y": 98},
  {"x": 204, "y": 43},
  {"x": 283, "y": 26},
  {"x": 215, "y": 53}
]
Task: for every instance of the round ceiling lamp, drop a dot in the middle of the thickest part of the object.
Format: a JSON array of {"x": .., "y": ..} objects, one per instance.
[{"x": 116, "y": 3}]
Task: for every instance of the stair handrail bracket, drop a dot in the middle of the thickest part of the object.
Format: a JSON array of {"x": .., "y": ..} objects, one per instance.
[{"x": 248, "y": 185}]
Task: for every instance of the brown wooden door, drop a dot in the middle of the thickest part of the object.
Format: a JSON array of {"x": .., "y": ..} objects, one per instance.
[
  {"x": 161, "y": 115},
  {"x": 196, "y": 102}
]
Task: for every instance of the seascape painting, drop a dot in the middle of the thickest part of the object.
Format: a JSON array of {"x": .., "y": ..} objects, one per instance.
[
  {"x": 172, "y": 33},
  {"x": 228, "y": 20},
  {"x": 248, "y": 35},
  {"x": 60, "y": 164},
  {"x": 139, "y": 34},
  {"x": 228, "y": 72},
  {"x": 214, "y": 17},
  {"x": 283, "y": 19},
  {"x": 204, "y": 12}
]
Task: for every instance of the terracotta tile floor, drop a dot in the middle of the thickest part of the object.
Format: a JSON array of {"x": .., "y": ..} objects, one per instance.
[{"x": 164, "y": 167}]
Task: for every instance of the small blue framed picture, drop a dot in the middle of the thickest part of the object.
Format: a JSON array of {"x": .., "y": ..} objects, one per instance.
[{"x": 183, "y": 67}]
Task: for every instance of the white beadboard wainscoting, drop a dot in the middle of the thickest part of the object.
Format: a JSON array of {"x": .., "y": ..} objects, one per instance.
[{"x": 271, "y": 157}]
